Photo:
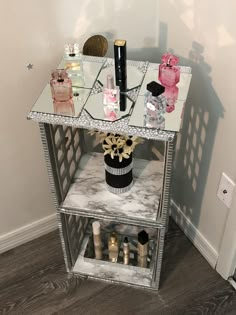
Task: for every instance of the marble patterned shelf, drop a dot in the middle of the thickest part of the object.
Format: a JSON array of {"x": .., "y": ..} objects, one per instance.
[
  {"x": 115, "y": 272},
  {"x": 88, "y": 194}
]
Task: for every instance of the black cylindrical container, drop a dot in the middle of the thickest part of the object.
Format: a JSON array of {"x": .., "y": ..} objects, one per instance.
[{"x": 119, "y": 177}]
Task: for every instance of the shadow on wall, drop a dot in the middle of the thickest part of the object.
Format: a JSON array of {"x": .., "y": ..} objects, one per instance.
[
  {"x": 194, "y": 144},
  {"x": 196, "y": 139},
  {"x": 113, "y": 20},
  {"x": 149, "y": 49}
]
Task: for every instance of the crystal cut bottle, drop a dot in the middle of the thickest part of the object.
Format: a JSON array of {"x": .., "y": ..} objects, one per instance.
[
  {"x": 169, "y": 73},
  {"x": 155, "y": 106}
]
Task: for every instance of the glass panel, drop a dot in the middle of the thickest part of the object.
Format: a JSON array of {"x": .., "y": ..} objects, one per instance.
[
  {"x": 44, "y": 104},
  {"x": 171, "y": 116},
  {"x": 134, "y": 75},
  {"x": 183, "y": 85},
  {"x": 95, "y": 107},
  {"x": 167, "y": 121},
  {"x": 90, "y": 70}
]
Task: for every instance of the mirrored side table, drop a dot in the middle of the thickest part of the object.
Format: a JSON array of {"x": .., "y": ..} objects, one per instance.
[{"x": 75, "y": 167}]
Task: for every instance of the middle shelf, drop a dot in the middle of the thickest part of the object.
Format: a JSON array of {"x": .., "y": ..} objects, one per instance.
[{"x": 88, "y": 194}]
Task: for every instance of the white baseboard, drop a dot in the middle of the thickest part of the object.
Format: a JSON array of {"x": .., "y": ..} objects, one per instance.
[
  {"x": 27, "y": 233},
  {"x": 199, "y": 241}
]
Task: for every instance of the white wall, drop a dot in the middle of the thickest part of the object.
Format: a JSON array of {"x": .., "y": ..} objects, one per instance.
[
  {"x": 29, "y": 34},
  {"x": 204, "y": 34},
  {"x": 201, "y": 32}
]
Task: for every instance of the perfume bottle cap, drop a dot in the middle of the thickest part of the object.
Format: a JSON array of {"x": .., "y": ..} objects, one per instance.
[
  {"x": 110, "y": 82},
  {"x": 143, "y": 237},
  {"x": 71, "y": 50},
  {"x": 120, "y": 42},
  {"x": 126, "y": 240},
  {"x": 96, "y": 227},
  {"x": 155, "y": 88},
  {"x": 113, "y": 237},
  {"x": 60, "y": 75},
  {"x": 169, "y": 59}
]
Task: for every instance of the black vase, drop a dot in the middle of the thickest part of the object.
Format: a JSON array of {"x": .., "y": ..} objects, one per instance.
[{"x": 119, "y": 177}]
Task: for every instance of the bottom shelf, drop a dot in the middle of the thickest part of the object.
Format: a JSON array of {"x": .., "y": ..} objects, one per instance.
[
  {"x": 80, "y": 253},
  {"x": 101, "y": 269}
]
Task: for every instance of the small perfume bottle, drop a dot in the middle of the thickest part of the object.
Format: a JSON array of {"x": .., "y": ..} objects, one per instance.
[
  {"x": 61, "y": 88},
  {"x": 155, "y": 105},
  {"x": 126, "y": 251},
  {"x": 111, "y": 99},
  {"x": 113, "y": 247},
  {"x": 97, "y": 241},
  {"x": 73, "y": 63},
  {"x": 169, "y": 73}
]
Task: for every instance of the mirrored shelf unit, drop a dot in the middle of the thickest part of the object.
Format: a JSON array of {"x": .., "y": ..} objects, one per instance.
[{"x": 75, "y": 164}]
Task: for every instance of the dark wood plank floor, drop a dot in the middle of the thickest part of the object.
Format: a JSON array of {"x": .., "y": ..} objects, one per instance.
[{"x": 33, "y": 281}]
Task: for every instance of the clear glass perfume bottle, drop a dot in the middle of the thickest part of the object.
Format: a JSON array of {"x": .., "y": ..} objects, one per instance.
[
  {"x": 73, "y": 63},
  {"x": 111, "y": 95},
  {"x": 155, "y": 106},
  {"x": 169, "y": 73},
  {"x": 61, "y": 88}
]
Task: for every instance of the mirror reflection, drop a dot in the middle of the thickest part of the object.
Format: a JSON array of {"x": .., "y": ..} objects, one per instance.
[
  {"x": 88, "y": 75},
  {"x": 166, "y": 115},
  {"x": 45, "y": 102},
  {"x": 97, "y": 110},
  {"x": 134, "y": 76}
]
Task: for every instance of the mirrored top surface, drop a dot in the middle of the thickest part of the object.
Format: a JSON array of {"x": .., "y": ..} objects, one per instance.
[
  {"x": 90, "y": 72},
  {"x": 45, "y": 104},
  {"x": 88, "y": 96},
  {"x": 134, "y": 75},
  {"x": 95, "y": 108},
  {"x": 168, "y": 117}
]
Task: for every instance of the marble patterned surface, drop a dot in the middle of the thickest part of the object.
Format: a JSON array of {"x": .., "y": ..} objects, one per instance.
[
  {"x": 111, "y": 271},
  {"x": 89, "y": 192}
]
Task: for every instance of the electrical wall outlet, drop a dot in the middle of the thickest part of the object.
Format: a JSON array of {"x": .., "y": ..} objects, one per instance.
[{"x": 225, "y": 190}]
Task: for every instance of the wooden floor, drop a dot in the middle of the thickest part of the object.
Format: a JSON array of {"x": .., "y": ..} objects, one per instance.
[{"x": 33, "y": 281}]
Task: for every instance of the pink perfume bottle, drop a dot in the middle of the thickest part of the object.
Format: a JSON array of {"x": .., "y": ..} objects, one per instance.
[
  {"x": 169, "y": 73},
  {"x": 61, "y": 88},
  {"x": 111, "y": 95},
  {"x": 171, "y": 95}
]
